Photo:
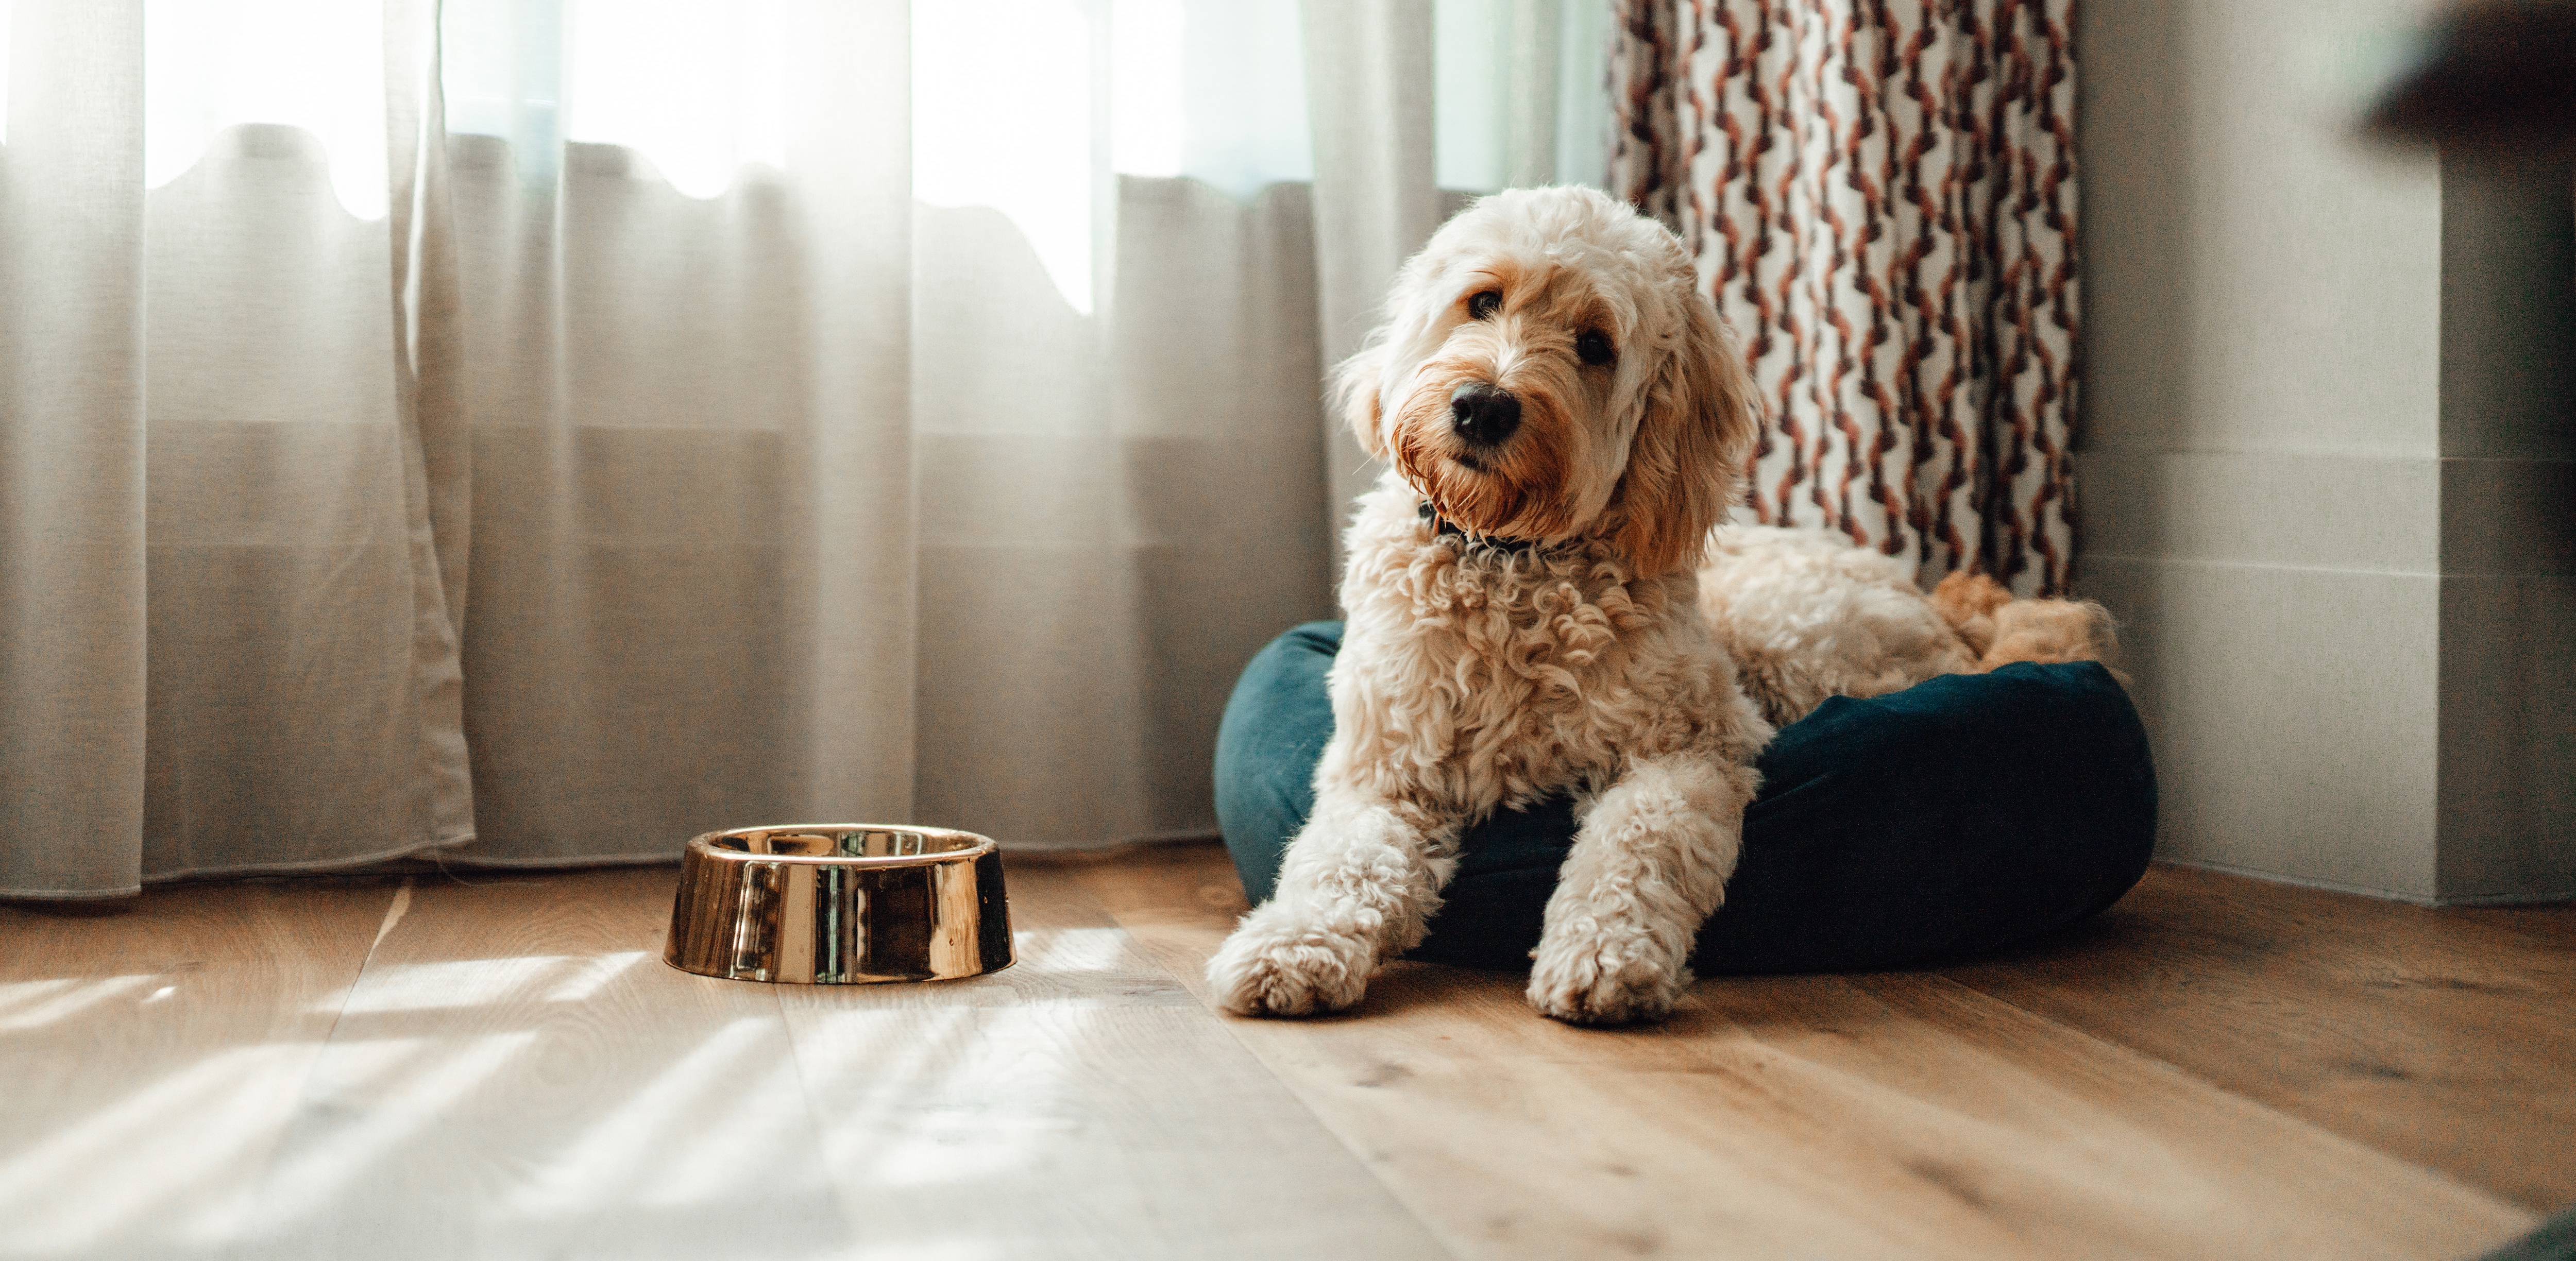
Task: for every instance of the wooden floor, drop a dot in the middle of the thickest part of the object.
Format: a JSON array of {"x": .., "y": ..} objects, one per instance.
[{"x": 505, "y": 1068}]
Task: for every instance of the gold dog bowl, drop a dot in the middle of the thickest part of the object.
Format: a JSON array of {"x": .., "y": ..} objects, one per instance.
[{"x": 840, "y": 904}]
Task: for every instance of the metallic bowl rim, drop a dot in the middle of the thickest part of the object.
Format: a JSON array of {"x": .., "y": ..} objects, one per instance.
[{"x": 705, "y": 843}]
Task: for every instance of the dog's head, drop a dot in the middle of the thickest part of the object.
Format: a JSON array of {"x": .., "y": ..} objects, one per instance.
[{"x": 1548, "y": 369}]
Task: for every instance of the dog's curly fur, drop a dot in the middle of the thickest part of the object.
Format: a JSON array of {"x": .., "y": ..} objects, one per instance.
[
  {"x": 1807, "y": 615},
  {"x": 1558, "y": 635}
]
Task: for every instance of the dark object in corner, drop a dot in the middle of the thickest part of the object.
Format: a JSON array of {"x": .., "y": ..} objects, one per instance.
[{"x": 2498, "y": 73}]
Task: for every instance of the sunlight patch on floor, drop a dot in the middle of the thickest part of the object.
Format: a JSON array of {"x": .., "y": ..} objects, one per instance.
[
  {"x": 952, "y": 1094},
  {"x": 35, "y": 1004},
  {"x": 687, "y": 1136},
  {"x": 933, "y": 1250},
  {"x": 1072, "y": 949},
  {"x": 486, "y": 982},
  {"x": 388, "y": 1092},
  {"x": 165, "y": 1143}
]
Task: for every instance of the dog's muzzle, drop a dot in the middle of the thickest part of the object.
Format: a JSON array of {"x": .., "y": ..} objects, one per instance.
[{"x": 1482, "y": 414}]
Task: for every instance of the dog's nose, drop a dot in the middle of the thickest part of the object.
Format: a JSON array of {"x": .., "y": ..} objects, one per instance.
[{"x": 1482, "y": 414}]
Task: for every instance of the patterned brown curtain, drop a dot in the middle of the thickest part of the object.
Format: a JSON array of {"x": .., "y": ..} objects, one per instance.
[{"x": 1881, "y": 196}]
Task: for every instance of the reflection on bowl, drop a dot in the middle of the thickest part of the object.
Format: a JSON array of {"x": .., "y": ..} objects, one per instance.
[{"x": 840, "y": 904}]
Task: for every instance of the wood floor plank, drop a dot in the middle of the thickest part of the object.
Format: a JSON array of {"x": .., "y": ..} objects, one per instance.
[
  {"x": 1802, "y": 1116},
  {"x": 2218, "y": 1068},
  {"x": 517, "y": 1074},
  {"x": 1080, "y": 1104},
  {"x": 153, "y": 1057},
  {"x": 2442, "y": 1036}
]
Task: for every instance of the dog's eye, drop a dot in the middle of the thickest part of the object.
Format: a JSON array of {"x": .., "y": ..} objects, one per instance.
[
  {"x": 1483, "y": 305},
  {"x": 1595, "y": 348}
]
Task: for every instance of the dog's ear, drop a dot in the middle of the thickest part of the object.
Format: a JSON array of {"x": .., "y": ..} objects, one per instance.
[
  {"x": 1355, "y": 394},
  {"x": 1686, "y": 466}
]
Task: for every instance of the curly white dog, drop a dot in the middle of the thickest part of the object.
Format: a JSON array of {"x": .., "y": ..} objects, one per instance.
[{"x": 1566, "y": 419}]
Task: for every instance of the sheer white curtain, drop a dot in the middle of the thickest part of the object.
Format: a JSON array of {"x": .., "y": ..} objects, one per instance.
[{"x": 534, "y": 431}]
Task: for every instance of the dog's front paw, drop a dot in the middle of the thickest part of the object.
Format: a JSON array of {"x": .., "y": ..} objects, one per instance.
[
  {"x": 1605, "y": 978},
  {"x": 1278, "y": 963}
]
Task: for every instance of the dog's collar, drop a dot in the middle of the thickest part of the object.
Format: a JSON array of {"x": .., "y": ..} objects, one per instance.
[{"x": 1445, "y": 527}]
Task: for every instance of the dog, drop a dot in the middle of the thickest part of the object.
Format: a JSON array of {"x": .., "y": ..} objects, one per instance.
[
  {"x": 1806, "y": 614},
  {"x": 1566, "y": 421}
]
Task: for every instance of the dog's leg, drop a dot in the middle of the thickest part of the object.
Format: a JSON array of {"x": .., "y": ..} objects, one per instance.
[
  {"x": 1649, "y": 864},
  {"x": 1358, "y": 886}
]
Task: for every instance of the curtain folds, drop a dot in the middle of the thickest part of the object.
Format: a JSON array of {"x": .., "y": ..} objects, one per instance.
[
  {"x": 649, "y": 433},
  {"x": 1882, "y": 200},
  {"x": 528, "y": 432},
  {"x": 72, "y": 560},
  {"x": 691, "y": 587}
]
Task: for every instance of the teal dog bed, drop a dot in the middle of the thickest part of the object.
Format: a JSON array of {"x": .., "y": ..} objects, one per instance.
[{"x": 1956, "y": 817}]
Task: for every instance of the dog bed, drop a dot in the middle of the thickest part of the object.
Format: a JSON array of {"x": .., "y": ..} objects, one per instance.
[{"x": 1958, "y": 816}]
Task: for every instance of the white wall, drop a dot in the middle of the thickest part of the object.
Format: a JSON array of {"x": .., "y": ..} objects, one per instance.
[{"x": 2342, "y": 688}]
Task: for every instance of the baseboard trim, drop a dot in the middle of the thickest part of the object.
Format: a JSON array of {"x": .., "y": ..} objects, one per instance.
[
  {"x": 2384, "y": 895},
  {"x": 2304, "y": 882},
  {"x": 2506, "y": 899}
]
